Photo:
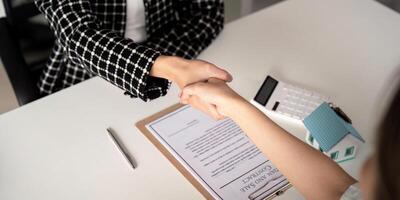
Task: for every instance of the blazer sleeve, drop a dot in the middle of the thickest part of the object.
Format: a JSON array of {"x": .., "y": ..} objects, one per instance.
[
  {"x": 198, "y": 23},
  {"x": 100, "y": 51}
]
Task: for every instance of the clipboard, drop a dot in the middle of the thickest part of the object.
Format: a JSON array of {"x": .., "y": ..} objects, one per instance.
[{"x": 141, "y": 125}]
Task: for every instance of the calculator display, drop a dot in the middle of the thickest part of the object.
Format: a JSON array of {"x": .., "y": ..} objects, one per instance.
[
  {"x": 287, "y": 99},
  {"x": 266, "y": 90}
]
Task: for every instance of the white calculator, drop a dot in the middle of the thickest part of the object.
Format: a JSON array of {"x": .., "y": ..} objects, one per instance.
[{"x": 287, "y": 99}]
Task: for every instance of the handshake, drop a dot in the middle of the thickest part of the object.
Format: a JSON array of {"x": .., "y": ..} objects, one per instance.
[{"x": 203, "y": 84}]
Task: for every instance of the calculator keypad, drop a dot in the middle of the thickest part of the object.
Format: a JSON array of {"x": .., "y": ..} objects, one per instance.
[{"x": 298, "y": 102}]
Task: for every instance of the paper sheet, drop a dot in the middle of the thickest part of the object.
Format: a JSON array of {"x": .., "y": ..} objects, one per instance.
[{"x": 221, "y": 157}]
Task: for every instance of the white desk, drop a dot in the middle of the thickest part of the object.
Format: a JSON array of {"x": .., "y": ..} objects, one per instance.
[{"x": 57, "y": 147}]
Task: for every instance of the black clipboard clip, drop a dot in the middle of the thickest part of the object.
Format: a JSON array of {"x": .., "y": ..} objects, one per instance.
[{"x": 259, "y": 194}]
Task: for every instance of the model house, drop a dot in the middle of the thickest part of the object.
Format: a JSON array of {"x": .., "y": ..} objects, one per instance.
[{"x": 331, "y": 134}]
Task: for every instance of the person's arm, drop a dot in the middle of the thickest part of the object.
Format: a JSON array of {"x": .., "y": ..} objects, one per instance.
[
  {"x": 196, "y": 25},
  {"x": 312, "y": 173},
  {"x": 118, "y": 60}
]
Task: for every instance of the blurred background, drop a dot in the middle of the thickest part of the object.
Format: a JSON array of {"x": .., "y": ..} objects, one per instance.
[{"x": 26, "y": 41}]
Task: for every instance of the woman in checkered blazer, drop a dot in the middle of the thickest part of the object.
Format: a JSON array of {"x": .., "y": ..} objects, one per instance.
[{"x": 90, "y": 42}]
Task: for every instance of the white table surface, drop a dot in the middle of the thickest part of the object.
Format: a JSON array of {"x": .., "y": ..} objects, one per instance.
[{"x": 57, "y": 147}]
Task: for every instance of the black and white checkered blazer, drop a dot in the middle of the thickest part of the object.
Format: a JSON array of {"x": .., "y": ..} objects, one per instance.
[{"x": 90, "y": 41}]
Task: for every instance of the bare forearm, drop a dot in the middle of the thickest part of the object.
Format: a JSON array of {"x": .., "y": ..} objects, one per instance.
[{"x": 311, "y": 172}]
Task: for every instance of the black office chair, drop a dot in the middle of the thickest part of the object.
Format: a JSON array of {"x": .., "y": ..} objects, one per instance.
[{"x": 25, "y": 47}]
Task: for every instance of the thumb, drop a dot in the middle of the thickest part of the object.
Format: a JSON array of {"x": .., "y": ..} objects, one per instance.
[
  {"x": 188, "y": 91},
  {"x": 215, "y": 80},
  {"x": 219, "y": 73},
  {"x": 212, "y": 110}
]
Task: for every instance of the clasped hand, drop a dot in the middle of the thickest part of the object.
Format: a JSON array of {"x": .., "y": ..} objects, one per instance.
[{"x": 202, "y": 83}]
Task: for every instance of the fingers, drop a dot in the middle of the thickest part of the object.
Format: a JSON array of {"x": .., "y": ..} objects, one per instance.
[
  {"x": 220, "y": 73},
  {"x": 213, "y": 112},
  {"x": 191, "y": 90},
  {"x": 204, "y": 90},
  {"x": 184, "y": 99},
  {"x": 215, "y": 80},
  {"x": 209, "y": 109}
]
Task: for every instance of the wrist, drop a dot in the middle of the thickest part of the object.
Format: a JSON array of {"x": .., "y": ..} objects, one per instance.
[{"x": 233, "y": 105}]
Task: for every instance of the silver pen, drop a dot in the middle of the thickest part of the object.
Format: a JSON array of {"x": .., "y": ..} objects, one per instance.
[{"x": 121, "y": 147}]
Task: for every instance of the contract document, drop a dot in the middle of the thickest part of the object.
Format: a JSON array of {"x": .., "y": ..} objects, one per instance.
[{"x": 218, "y": 154}]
